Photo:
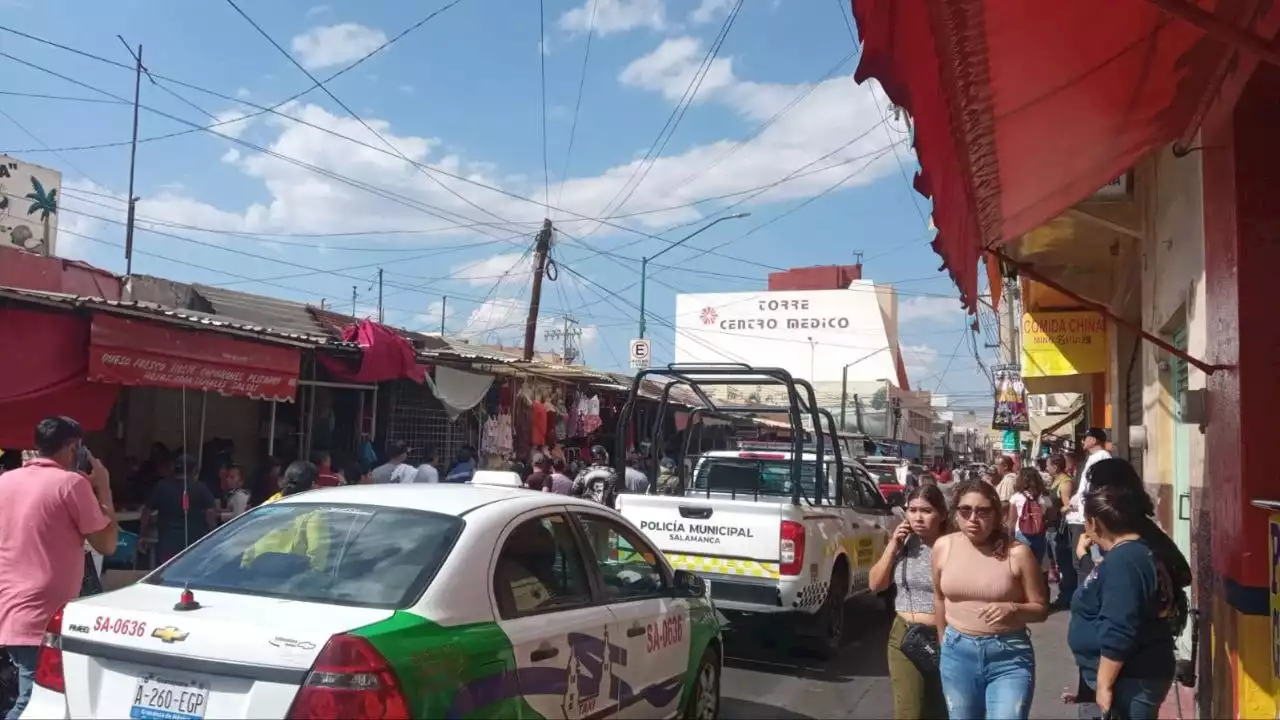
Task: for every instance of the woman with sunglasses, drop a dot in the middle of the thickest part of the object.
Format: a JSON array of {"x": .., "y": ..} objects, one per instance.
[
  {"x": 907, "y": 564},
  {"x": 987, "y": 587}
]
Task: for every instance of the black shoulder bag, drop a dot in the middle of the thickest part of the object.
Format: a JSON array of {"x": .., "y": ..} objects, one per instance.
[{"x": 920, "y": 642}]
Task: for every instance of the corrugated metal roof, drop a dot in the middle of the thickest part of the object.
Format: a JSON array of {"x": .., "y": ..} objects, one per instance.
[
  {"x": 263, "y": 311},
  {"x": 159, "y": 312}
]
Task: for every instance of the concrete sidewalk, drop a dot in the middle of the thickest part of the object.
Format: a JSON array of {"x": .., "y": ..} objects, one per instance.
[{"x": 1055, "y": 669}]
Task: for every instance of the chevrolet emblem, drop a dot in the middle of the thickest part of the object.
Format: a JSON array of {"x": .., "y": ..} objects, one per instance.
[{"x": 169, "y": 634}]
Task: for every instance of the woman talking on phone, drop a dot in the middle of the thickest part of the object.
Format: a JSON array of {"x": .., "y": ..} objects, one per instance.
[
  {"x": 987, "y": 587},
  {"x": 913, "y": 639}
]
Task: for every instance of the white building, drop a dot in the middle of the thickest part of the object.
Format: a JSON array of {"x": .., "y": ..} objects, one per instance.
[
  {"x": 818, "y": 335},
  {"x": 29, "y": 199}
]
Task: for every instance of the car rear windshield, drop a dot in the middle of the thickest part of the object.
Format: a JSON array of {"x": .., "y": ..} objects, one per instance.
[
  {"x": 353, "y": 555},
  {"x": 754, "y": 477}
]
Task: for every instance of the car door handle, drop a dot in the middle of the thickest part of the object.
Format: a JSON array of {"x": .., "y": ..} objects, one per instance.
[
  {"x": 544, "y": 654},
  {"x": 635, "y": 631},
  {"x": 691, "y": 512}
]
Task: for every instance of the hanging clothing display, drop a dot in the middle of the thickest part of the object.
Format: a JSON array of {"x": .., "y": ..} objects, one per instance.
[
  {"x": 496, "y": 438},
  {"x": 538, "y": 424}
]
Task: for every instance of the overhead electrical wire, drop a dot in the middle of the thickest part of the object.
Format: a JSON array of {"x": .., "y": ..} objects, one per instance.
[
  {"x": 377, "y": 191},
  {"x": 353, "y": 65},
  {"x": 659, "y": 144},
  {"x": 542, "y": 73},
  {"x": 577, "y": 103},
  {"x": 346, "y": 108},
  {"x": 274, "y": 238},
  {"x": 374, "y": 190}
]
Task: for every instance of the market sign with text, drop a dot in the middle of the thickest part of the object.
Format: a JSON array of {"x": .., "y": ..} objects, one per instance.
[
  {"x": 1063, "y": 343},
  {"x": 126, "y": 351}
]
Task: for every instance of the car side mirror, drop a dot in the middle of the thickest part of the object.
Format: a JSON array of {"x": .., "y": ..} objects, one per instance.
[{"x": 689, "y": 585}]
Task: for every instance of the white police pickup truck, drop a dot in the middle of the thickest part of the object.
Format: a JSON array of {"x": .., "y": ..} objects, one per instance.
[{"x": 741, "y": 529}]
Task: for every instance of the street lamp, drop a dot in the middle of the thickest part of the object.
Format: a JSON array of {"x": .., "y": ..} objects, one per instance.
[
  {"x": 844, "y": 383},
  {"x": 644, "y": 262}
]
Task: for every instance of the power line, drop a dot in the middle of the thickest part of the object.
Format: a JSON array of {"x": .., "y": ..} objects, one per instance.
[
  {"x": 385, "y": 194},
  {"x": 420, "y": 167},
  {"x": 673, "y": 120},
  {"x": 577, "y": 103},
  {"x": 354, "y": 183},
  {"x": 542, "y": 72},
  {"x": 359, "y": 61}
]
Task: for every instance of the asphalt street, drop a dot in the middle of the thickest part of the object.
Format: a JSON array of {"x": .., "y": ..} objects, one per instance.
[{"x": 762, "y": 681}]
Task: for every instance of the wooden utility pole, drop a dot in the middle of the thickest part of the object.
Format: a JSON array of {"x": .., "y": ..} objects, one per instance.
[
  {"x": 138, "y": 69},
  {"x": 541, "y": 246},
  {"x": 444, "y": 306},
  {"x": 380, "y": 313},
  {"x": 353, "y": 301}
]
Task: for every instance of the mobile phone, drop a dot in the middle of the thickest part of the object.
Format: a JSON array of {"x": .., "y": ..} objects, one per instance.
[{"x": 84, "y": 460}]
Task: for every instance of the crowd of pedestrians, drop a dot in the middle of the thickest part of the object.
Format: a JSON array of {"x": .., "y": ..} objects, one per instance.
[{"x": 970, "y": 577}]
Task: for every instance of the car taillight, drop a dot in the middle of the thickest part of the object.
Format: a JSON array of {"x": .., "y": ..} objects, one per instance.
[
  {"x": 49, "y": 660},
  {"x": 349, "y": 679},
  {"x": 791, "y": 547}
]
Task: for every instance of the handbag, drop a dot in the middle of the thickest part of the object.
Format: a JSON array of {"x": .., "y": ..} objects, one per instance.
[{"x": 920, "y": 641}]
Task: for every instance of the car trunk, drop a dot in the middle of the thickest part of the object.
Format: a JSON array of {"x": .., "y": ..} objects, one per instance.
[{"x": 129, "y": 653}]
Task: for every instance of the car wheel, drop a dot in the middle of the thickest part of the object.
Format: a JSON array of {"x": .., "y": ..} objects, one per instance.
[
  {"x": 830, "y": 619},
  {"x": 704, "y": 701}
]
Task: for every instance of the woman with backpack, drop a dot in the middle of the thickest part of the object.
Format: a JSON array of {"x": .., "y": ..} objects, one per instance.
[
  {"x": 1027, "y": 513},
  {"x": 1126, "y": 614}
]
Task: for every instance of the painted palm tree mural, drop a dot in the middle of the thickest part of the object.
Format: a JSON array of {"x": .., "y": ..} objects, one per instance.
[{"x": 45, "y": 204}]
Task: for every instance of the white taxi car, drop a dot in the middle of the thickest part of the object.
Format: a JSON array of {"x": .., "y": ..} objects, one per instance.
[{"x": 395, "y": 601}]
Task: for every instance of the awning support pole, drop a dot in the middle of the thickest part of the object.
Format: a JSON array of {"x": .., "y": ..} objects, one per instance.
[
  {"x": 1220, "y": 29},
  {"x": 1156, "y": 340},
  {"x": 271, "y": 433},
  {"x": 204, "y": 403}
]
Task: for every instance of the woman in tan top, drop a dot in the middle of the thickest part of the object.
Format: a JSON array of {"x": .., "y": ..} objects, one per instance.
[{"x": 987, "y": 588}]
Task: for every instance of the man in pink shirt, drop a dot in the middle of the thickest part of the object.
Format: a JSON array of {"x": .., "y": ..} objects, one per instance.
[{"x": 47, "y": 512}]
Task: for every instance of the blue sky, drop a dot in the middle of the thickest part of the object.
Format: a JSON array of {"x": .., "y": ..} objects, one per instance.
[{"x": 461, "y": 94}]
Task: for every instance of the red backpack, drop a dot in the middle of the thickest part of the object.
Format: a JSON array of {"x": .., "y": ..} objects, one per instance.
[{"x": 1031, "y": 521}]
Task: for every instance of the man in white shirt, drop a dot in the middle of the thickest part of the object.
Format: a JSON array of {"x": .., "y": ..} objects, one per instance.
[
  {"x": 427, "y": 472},
  {"x": 1095, "y": 447},
  {"x": 395, "y": 469}
]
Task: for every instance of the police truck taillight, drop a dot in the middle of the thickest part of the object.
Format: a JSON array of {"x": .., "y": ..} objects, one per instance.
[
  {"x": 49, "y": 660},
  {"x": 791, "y": 548},
  {"x": 350, "y": 679}
]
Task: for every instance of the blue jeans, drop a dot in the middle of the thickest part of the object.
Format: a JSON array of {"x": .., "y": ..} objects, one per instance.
[
  {"x": 1132, "y": 699},
  {"x": 988, "y": 676},
  {"x": 24, "y": 659}
]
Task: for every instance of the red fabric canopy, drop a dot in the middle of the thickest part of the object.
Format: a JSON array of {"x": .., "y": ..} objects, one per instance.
[
  {"x": 1023, "y": 109},
  {"x": 125, "y": 351},
  {"x": 385, "y": 355},
  {"x": 45, "y": 370}
]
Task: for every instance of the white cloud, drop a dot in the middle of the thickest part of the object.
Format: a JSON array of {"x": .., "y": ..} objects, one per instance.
[
  {"x": 330, "y": 45},
  {"x": 487, "y": 271},
  {"x": 501, "y": 321},
  {"x": 927, "y": 308},
  {"x": 613, "y": 16},
  {"x": 709, "y": 10},
  {"x": 918, "y": 359},
  {"x": 836, "y": 117},
  {"x": 234, "y": 122},
  {"x": 316, "y": 11}
]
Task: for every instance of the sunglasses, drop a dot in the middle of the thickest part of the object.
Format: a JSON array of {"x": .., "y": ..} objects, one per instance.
[{"x": 983, "y": 512}]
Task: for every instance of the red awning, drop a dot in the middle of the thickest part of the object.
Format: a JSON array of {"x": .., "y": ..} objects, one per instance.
[
  {"x": 125, "y": 351},
  {"x": 384, "y": 355},
  {"x": 44, "y": 367},
  {"x": 1023, "y": 109}
]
